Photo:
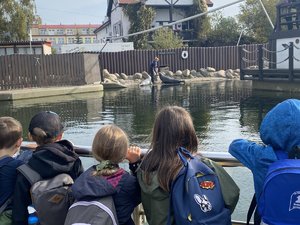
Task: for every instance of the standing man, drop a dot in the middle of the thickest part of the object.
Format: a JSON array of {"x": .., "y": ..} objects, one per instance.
[{"x": 154, "y": 69}]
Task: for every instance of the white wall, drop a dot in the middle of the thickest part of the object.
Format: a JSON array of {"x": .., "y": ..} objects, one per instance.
[
  {"x": 283, "y": 55},
  {"x": 109, "y": 47},
  {"x": 162, "y": 2}
]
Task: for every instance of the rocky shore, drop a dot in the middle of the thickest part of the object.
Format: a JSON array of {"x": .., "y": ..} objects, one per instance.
[{"x": 187, "y": 75}]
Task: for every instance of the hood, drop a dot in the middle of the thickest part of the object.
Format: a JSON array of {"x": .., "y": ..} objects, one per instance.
[
  {"x": 280, "y": 128},
  {"x": 89, "y": 187},
  {"x": 54, "y": 158}
]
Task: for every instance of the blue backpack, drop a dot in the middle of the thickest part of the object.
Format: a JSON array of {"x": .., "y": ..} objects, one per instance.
[
  {"x": 279, "y": 202},
  {"x": 196, "y": 196}
]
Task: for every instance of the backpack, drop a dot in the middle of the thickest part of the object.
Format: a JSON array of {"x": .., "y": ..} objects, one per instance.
[
  {"x": 196, "y": 195},
  {"x": 101, "y": 212},
  {"x": 51, "y": 198},
  {"x": 279, "y": 202}
]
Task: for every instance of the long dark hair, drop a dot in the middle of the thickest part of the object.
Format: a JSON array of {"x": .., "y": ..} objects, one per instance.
[{"x": 173, "y": 128}]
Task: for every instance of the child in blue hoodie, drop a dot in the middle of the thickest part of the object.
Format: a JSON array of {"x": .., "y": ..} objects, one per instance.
[
  {"x": 280, "y": 134},
  {"x": 110, "y": 147}
]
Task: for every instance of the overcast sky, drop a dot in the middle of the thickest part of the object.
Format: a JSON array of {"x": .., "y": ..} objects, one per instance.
[{"x": 92, "y": 11}]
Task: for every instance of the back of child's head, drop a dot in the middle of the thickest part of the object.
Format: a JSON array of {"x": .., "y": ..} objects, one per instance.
[
  {"x": 280, "y": 127},
  {"x": 10, "y": 132},
  {"x": 173, "y": 128},
  {"x": 110, "y": 144},
  {"x": 45, "y": 127}
]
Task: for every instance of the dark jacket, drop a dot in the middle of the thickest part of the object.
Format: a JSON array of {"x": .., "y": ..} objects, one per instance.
[
  {"x": 48, "y": 160},
  {"x": 122, "y": 186},
  {"x": 8, "y": 175}
]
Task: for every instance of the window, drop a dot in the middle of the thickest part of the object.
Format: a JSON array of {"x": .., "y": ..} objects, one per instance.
[
  {"x": 42, "y": 31},
  {"x": 70, "y": 40},
  {"x": 61, "y": 40},
  {"x": 88, "y": 40}
]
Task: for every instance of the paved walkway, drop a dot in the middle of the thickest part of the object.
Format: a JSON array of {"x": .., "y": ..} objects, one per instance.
[{"x": 28, "y": 93}]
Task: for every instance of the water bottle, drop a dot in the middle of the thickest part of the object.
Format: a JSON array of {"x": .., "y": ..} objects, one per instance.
[{"x": 32, "y": 218}]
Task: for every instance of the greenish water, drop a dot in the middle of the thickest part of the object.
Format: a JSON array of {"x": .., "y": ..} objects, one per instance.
[{"x": 222, "y": 111}]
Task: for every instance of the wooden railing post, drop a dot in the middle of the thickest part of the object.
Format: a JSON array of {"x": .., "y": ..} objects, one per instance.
[
  {"x": 291, "y": 61},
  {"x": 242, "y": 73},
  {"x": 260, "y": 62}
]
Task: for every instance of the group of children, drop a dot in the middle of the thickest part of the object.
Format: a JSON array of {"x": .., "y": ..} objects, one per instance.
[{"x": 151, "y": 177}]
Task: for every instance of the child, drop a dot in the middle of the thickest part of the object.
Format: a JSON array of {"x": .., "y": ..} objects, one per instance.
[
  {"x": 10, "y": 142},
  {"x": 173, "y": 128},
  {"x": 279, "y": 134},
  {"x": 51, "y": 157},
  {"x": 110, "y": 147}
]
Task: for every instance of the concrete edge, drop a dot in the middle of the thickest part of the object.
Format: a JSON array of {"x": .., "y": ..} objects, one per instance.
[{"x": 48, "y": 91}]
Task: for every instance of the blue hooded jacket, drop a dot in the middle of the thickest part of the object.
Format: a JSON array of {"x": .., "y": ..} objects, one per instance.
[{"x": 279, "y": 131}]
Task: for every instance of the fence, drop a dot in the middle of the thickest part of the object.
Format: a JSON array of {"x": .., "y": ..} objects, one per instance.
[
  {"x": 24, "y": 71},
  {"x": 130, "y": 62}
]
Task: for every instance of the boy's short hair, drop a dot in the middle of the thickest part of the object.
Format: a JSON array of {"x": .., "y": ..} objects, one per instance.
[
  {"x": 10, "y": 132},
  {"x": 47, "y": 121}
]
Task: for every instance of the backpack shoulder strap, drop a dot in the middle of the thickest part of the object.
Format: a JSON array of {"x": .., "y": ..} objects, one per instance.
[
  {"x": 5, "y": 204},
  {"x": 31, "y": 175}
]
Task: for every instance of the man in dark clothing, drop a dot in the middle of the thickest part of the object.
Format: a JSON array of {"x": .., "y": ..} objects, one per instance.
[
  {"x": 50, "y": 158},
  {"x": 154, "y": 69}
]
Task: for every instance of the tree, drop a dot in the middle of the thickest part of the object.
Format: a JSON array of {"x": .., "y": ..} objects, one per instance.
[
  {"x": 201, "y": 24},
  {"x": 254, "y": 20},
  {"x": 16, "y": 16},
  {"x": 140, "y": 17},
  {"x": 165, "y": 38},
  {"x": 225, "y": 31}
]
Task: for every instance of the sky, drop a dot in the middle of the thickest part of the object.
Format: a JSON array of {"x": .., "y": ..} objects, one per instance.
[{"x": 93, "y": 11}]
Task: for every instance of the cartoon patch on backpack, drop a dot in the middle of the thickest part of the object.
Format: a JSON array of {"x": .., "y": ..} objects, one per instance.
[
  {"x": 295, "y": 201},
  {"x": 203, "y": 202}
]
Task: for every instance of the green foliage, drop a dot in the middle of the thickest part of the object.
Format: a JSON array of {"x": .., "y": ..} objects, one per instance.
[
  {"x": 15, "y": 18},
  {"x": 254, "y": 20},
  {"x": 201, "y": 24},
  {"x": 140, "y": 17},
  {"x": 225, "y": 31},
  {"x": 165, "y": 38}
]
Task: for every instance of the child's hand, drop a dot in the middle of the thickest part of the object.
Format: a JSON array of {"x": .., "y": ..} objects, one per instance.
[{"x": 133, "y": 154}]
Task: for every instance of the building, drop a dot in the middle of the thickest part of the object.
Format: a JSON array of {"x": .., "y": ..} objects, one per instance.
[
  {"x": 25, "y": 47},
  {"x": 64, "y": 34},
  {"x": 117, "y": 23}
]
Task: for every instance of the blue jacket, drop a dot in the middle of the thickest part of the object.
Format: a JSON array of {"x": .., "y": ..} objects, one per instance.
[
  {"x": 122, "y": 186},
  {"x": 279, "y": 131},
  {"x": 8, "y": 177}
]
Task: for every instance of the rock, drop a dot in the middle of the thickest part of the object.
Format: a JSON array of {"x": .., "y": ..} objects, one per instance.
[
  {"x": 194, "y": 73},
  {"x": 186, "y": 73},
  {"x": 124, "y": 76},
  {"x": 210, "y": 69},
  {"x": 178, "y": 73},
  {"x": 145, "y": 75},
  {"x": 137, "y": 76},
  {"x": 220, "y": 73},
  {"x": 117, "y": 75},
  {"x": 105, "y": 73},
  {"x": 204, "y": 72}
]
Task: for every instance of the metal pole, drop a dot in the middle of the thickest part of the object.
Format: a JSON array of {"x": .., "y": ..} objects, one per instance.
[
  {"x": 270, "y": 21},
  {"x": 237, "y": 44}
]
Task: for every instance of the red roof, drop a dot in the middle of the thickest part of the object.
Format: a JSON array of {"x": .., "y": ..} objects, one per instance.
[
  {"x": 128, "y": 2},
  {"x": 64, "y": 26}
]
